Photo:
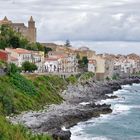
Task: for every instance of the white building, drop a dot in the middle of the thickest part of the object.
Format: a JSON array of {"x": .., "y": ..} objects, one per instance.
[
  {"x": 19, "y": 56},
  {"x": 51, "y": 65},
  {"x": 127, "y": 66},
  {"x": 61, "y": 62},
  {"x": 92, "y": 65}
]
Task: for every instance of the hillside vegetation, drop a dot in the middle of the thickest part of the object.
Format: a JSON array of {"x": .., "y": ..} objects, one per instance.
[
  {"x": 11, "y": 38},
  {"x": 19, "y": 93}
]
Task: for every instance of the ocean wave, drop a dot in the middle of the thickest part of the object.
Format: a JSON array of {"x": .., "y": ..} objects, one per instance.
[
  {"x": 121, "y": 109},
  {"x": 126, "y": 86},
  {"x": 88, "y": 138},
  {"x": 100, "y": 138},
  {"x": 121, "y": 106},
  {"x": 121, "y": 91},
  {"x": 136, "y": 85},
  {"x": 104, "y": 101}
]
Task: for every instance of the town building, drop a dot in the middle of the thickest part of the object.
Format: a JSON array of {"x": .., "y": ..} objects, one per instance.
[
  {"x": 18, "y": 56},
  {"x": 27, "y": 31},
  {"x": 92, "y": 65},
  {"x": 85, "y": 52},
  {"x": 4, "y": 56},
  {"x": 102, "y": 65},
  {"x": 126, "y": 65},
  {"x": 52, "y": 65},
  {"x": 61, "y": 62}
]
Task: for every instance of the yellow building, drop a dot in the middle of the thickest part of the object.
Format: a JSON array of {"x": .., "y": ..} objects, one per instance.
[
  {"x": 103, "y": 66},
  {"x": 85, "y": 52}
]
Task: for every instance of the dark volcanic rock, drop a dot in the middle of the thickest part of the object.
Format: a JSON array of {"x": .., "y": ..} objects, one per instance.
[
  {"x": 71, "y": 112},
  {"x": 59, "y": 134}
]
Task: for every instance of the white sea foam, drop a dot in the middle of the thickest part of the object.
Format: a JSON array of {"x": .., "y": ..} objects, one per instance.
[
  {"x": 64, "y": 128},
  {"x": 100, "y": 138},
  {"x": 121, "y": 109},
  {"x": 73, "y": 137},
  {"x": 135, "y": 106},
  {"x": 121, "y": 91},
  {"x": 136, "y": 85},
  {"x": 85, "y": 103},
  {"x": 76, "y": 129},
  {"x": 82, "y": 137},
  {"x": 104, "y": 101},
  {"x": 126, "y": 86}
]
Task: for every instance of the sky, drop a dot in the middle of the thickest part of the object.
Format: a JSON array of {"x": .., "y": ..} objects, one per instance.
[{"x": 79, "y": 20}]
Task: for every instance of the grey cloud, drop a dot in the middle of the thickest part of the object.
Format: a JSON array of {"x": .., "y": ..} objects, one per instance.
[{"x": 90, "y": 20}]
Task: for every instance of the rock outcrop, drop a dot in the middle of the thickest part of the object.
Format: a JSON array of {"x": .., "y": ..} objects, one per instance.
[{"x": 79, "y": 105}]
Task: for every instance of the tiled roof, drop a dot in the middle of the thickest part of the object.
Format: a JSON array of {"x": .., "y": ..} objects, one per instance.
[
  {"x": 20, "y": 51},
  {"x": 3, "y": 51},
  {"x": 51, "y": 59}
]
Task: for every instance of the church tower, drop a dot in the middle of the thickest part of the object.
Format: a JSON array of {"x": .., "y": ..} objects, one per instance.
[
  {"x": 5, "y": 21},
  {"x": 31, "y": 30}
]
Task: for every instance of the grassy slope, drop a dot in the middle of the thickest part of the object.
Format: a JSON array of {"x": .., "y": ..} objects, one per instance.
[
  {"x": 22, "y": 93},
  {"x": 18, "y": 94}
]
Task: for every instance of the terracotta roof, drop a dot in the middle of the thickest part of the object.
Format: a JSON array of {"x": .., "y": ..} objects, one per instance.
[
  {"x": 3, "y": 51},
  {"x": 20, "y": 50},
  {"x": 51, "y": 59}
]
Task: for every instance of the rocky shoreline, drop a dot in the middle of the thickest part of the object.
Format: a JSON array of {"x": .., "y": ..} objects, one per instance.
[{"x": 79, "y": 105}]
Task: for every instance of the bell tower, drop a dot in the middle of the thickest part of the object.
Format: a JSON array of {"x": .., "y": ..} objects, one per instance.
[{"x": 31, "y": 30}]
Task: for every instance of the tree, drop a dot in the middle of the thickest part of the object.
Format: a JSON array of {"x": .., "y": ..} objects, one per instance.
[
  {"x": 3, "y": 43},
  {"x": 30, "y": 67},
  {"x": 12, "y": 69},
  {"x": 9, "y": 37},
  {"x": 83, "y": 64},
  {"x": 78, "y": 56},
  {"x": 47, "y": 50},
  {"x": 14, "y": 42},
  {"x": 85, "y": 60},
  {"x": 67, "y": 44}
]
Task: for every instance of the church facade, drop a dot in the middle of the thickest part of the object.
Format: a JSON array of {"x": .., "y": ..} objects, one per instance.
[{"x": 27, "y": 31}]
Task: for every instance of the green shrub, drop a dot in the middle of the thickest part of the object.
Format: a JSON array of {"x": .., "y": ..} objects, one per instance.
[
  {"x": 107, "y": 78},
  {"x": 115, "y": 77},
  {"x": 72, "y": 79},
  {"x": 12, "y": 69},
  {"x": 27, "y": 66},
  {"x": 23, "y": 84},
  {"x": 86, "y": 76},
  {"x": 17, "y": 132}
]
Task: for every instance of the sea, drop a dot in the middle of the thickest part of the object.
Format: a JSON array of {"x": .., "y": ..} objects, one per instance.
[{"x": 122, "y": 124}]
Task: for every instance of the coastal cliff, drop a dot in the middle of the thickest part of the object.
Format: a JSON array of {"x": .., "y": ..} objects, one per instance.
[{"x": 79, "y": 105}]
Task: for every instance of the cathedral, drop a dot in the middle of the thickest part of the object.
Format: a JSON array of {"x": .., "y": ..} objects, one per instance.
[{"x": 27, "y": 31}]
